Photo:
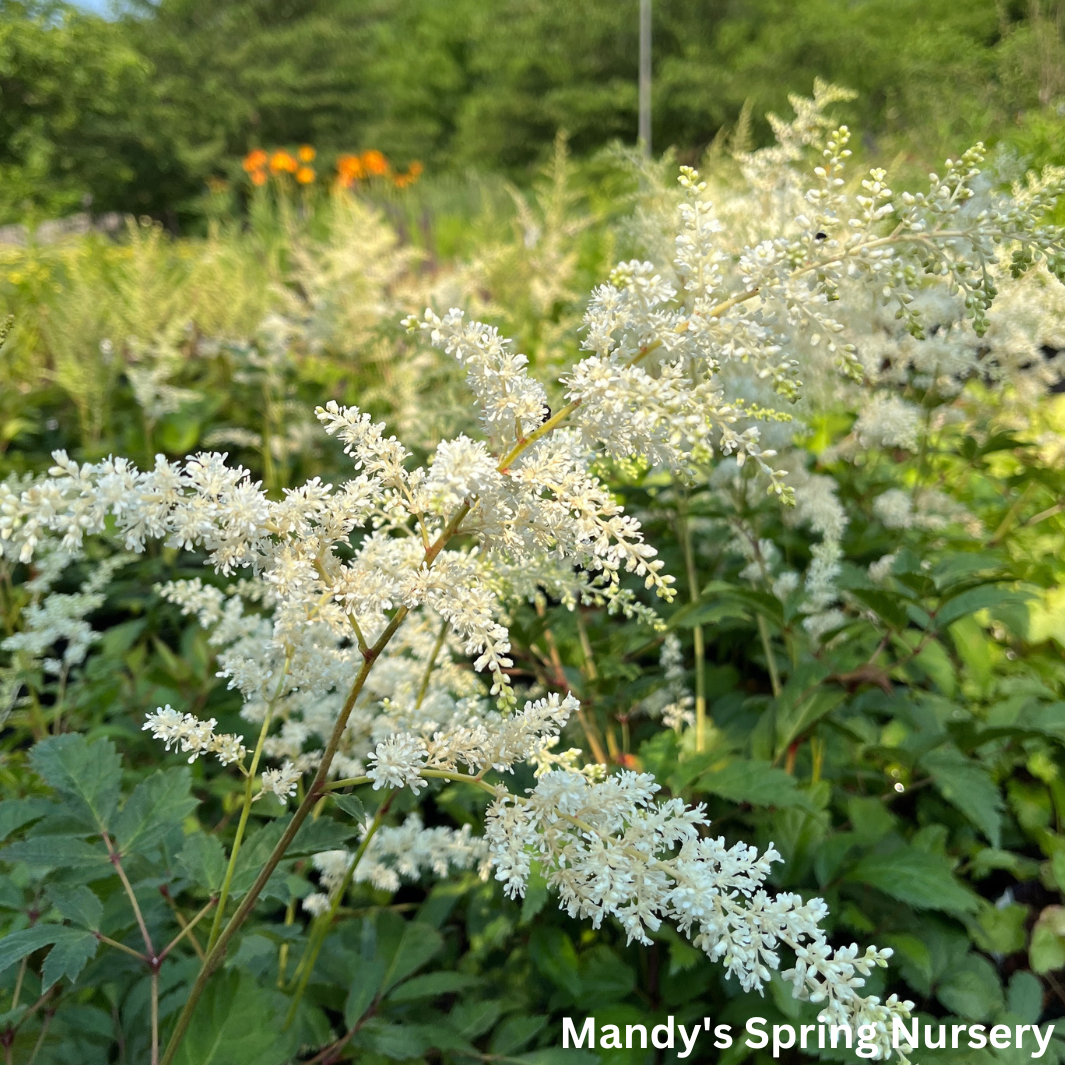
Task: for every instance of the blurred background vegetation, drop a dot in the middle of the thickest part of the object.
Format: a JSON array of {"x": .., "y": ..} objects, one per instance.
[{"x": 136, "y": 110}]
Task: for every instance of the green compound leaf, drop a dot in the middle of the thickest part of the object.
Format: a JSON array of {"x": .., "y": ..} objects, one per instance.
[
  {"x": 157, "y": 806},
  {"x": 88, "y": 774},
  {"x": 968, "y": 787},
  {"x": 71, "y": 950},
  {"x": 753, "y": 781},
  {"x": 68, "y": 957},
  {"x": 237, "y": 1022},
  {"x": 78, "y": 904},
  {"x": 203, "y": 861},
  {"x": 916, "y": 878}
]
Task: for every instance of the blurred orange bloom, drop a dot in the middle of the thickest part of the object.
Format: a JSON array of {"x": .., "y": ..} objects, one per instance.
[
  {"x": 255, "y": 160},
  {"x": 350, "y": 166},
  {"x": 258, "y": 177},
  {"x": 305, "y": 175},
  {"x": 375, "y": 163},
  {"x": 306, "y": 153},
  {"x": 281, "y": 161},
  {"x": 412, "y": 175}
]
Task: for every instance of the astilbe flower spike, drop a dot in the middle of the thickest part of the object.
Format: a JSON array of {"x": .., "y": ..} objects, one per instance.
[{"x": 359, "y": 588}]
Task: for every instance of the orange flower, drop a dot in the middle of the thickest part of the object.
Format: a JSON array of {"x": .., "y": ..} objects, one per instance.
[
  {"x": 305, "y": 175},
  {"x": 350, "y": 166},
  {"x": 306, "y": 153},
  {"x": 412, "y": 174},
  {"x": 255, "y": 160},
  {"x": 375, "y": 163},
  {"x": 258, "y": 177},
  {"x": 281, "y": 161}
]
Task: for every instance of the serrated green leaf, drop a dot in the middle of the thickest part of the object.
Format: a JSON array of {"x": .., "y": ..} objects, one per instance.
[
  {"x": 89, "y": 775},
  {"x": 364, "y": 989},
  {"x": 1000, "y": 929},
  {"x": 417, "y": 945},
  {"x": 77, "y": 904},
  {"x": 397, "y": 1042},
  {"x": 237, "y": 1023},
  {"x": 158, "y": 805},
  {"x": 16, "y": 946},
  {"x": 1046, "y": 952},
  {"x": 431, "y": 985},
  {"x": 15, "y": 813},
  {"x": 68, "y": 957},
  {"x": 253, "y": 854},
  {"x": 966, "y": 785},
  {"x": 888, "y": 606},
  {"x": 516, "y": 1032},
  {"x": 971, "y": 989},
  {"x": 985, "y": 597},
  {"x": 325, "y": 834},
  {"x": 963, "y": 566},
  {"x": 53, "y": 852},
  {"x": 473, "y": 1018},
  {"x": 1024, "y": 997},
  {"x": 916, "y": 878},
  {"x": 203, "y": 861},
  {"x": 352, "y": 806},
  {"x": 755, "y": 782}
]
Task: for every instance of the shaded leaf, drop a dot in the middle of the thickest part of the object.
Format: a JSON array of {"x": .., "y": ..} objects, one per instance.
[
  {"x": 53, "y": 852},
  {"x": 417, "y": 945},
  {"x": 966, "y": 785},
  {"x": 430, "y": 985},
  {"x": 237, "y": 1023},
  {"x": 77, "y": 904},
  {"x": 158, "y": 805},
  {"x": 89, "y": 775},
  {"x": 352, "y": 806},
  {"x": 986, "y": 597},
  {"x": 71, "y": 948},
  {"x": 68, "y": 957},
  {"x": 971, "y": 989},
  {"x": 14, "y": 813},
  {"x": 753, "y": 781},
  {"x": 916, "y": 878},
  {"x": 203, "y": 861}
]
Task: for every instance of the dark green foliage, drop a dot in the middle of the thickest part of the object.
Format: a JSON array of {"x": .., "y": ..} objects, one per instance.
[{"x": 140, "y": 111}]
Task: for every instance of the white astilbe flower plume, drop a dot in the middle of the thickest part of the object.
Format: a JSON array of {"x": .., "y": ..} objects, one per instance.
[
  {"x": 611, "y": 850},
  {"x": 357, "y": 601}
]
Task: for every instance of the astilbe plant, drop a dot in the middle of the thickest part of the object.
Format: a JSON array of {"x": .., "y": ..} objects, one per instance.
[{"x": 368, "y": 593}]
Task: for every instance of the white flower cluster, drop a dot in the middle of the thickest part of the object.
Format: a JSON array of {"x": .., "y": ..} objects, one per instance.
[
  {"x": 54, "y": 618},
  {"x": 673, "y": 702},
  {"x": 193, "y": 736},
  {"x": 281, "y": 782},
  {"x": 796, "y": 276},
  {"x": 495, "y": 741},
  {"x": 400, "y": 853},
  {"x": 611, "y": 850}
]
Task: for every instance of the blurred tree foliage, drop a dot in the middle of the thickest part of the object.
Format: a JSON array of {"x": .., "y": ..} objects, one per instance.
[{"x": 138, "y": 111}]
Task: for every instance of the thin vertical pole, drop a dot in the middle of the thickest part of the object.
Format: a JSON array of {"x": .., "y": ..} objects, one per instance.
[{"x": 644, "y": 129}]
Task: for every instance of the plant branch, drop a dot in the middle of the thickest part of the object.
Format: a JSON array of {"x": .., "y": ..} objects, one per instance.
[
  {"x": 314, "y": 793},
  {"x": 121, "y": 946},
  {"x": 698, "y": 637},
  {"x": 186, "y": 930},
  {"x": 430, "y": 665},
  {"x": 325, "y": 922},
  {"x": 249, "y": 798},
  {"x": 116, "y": 861}
]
